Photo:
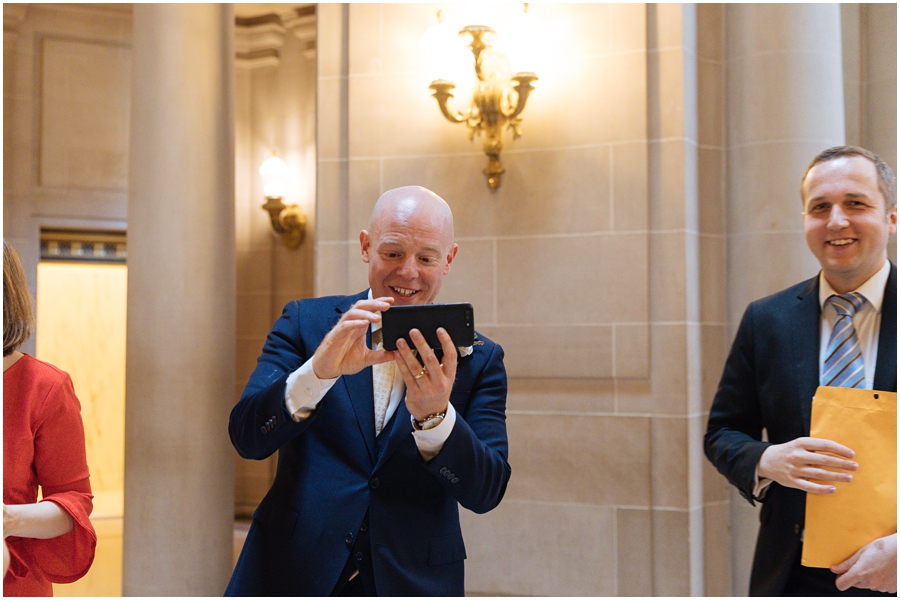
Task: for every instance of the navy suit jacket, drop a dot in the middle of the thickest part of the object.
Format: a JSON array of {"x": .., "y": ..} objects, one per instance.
[
  {"x": 330, "y": 471},
  {"x": 768, "y": 382}
]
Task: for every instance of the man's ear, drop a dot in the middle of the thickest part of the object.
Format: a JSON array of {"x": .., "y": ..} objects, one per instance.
[
  {"x": 450, "y": 258},
  {"x": 364, "y": 245},
  {"x": 892, "y": 219}
]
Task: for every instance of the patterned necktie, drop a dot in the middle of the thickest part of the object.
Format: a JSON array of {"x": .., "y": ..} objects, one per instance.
[
  {"x": 382, "y": 384},
  {"x": 843, "y": 359}
]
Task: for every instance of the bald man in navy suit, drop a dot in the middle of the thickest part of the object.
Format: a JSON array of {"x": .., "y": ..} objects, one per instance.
[
  {"x": 376, "y": 449},
  {"x": 779, "y": 357}
]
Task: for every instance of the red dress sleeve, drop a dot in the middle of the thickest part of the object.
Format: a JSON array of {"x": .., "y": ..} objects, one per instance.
[{"x": 62, "y": 472}]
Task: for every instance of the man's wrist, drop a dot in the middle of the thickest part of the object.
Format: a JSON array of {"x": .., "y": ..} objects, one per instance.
[
  {"x": 316, "y": 371},
  {"x": 430, "y": 421}
]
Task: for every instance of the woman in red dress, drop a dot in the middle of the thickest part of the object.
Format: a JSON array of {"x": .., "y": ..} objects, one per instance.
[{"x": 43, "y": 446}]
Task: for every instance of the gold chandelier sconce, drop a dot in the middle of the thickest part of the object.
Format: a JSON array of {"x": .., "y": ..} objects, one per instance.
[
  {"x": 497, "y": 101},
  {"x": 288, "y": 220}
]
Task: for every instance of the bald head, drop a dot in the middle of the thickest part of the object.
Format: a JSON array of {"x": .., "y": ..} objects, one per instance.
[
  {"x": 412, "y": 203},
  {"x": 409, "y": 245}
]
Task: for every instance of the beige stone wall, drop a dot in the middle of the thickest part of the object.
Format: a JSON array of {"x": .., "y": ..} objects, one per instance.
[
  {"x": 66, "y": 88},
  {"x": 275, "y": 112},
  {"x": 869, "y": 33}
]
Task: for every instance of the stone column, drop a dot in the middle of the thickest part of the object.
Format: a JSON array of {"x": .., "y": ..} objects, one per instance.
[
  {"x": 784, "y": 105},
  {"x": 179, "y": 470},
  {"x": 880, "y": 93}
]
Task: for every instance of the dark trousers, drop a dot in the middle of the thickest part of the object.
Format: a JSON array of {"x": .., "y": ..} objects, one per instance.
[{"x": 809, "y": 581}]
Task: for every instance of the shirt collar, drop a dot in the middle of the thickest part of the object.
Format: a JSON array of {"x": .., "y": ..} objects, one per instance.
[{"x": 872, "y": 289}]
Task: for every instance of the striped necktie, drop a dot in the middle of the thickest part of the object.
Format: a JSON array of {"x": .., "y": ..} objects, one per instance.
[{"x": 843, "y": 359}]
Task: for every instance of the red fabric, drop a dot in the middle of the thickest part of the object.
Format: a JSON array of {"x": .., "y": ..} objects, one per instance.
[{"x": 43, "y": 445}]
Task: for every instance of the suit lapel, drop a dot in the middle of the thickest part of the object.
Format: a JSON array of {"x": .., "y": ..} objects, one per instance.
[
  {"x": 359, "y": 388},
  {"x": 401, "y": 428},
  {"x": 886, "y": 363},
  {"x": 806, "y": 317}
]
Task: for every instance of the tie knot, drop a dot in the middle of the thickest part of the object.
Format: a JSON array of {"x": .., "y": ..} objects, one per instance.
[{"x": 846, "y": 305}]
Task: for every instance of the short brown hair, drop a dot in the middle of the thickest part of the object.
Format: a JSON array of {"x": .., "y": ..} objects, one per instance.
[
  {"x": 18, "y": 316},
  {"x": 887, "y": 181}
]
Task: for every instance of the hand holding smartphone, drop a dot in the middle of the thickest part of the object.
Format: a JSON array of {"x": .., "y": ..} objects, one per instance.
[{"x": 457, "y": 318}]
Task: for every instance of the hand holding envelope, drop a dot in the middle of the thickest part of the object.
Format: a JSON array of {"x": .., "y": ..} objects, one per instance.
[{"x": 839, "y": 524}]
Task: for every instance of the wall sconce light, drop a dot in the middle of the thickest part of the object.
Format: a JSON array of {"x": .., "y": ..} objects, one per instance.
[
  {"x": 498, "y": 98},
  {"x": 288, "y": 220}
]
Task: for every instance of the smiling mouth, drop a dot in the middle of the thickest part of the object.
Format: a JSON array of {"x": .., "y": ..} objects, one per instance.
[
  {"x": 404, "y": 292},
  {"x": 841, "y": 242}
]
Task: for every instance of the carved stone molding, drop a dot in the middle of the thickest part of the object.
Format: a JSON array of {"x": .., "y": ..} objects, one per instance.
[
  {"x": 13, "y": 15},
  {"x": 302, "y": 23},
  {"x": 258, "y": 40}
]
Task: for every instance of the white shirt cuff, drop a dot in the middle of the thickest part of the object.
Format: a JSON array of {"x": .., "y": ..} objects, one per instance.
[
  {"x": 760, "y": 485},
  {"x": 304, "y": 391},
  {"x": 430, "y": 441}
]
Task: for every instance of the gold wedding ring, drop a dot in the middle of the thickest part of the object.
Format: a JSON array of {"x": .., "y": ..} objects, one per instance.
[{"x": 419, "y": 374}]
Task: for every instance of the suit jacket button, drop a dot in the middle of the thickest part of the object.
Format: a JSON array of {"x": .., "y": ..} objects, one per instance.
[
  {"x": 374, "y": 483},
  {"x": 358, "y": 556},
  {"x": 443, "y": 470},
  {"x": 454, "y": 480},
  {"x": 263, "y": 429},
  {"x": 348, "y": 538},
  {"x": 364, "y": 526},
  {"x": 796, "y": 528}
]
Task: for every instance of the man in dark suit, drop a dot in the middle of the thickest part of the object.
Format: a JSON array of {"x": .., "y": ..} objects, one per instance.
[
  {"x": 784, "y": 349},
  {"x": 376, "y": 450}
]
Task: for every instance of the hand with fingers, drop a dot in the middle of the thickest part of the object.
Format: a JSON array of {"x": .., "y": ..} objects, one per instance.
[
  {"x": 794, "y": 464},
  {"x": 428, "y": 387},
  {"x": 344, "y": 350},
  {"x": 872, "y": 567}
]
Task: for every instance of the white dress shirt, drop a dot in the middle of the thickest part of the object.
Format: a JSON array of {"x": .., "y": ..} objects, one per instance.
[
  {"x": 304, "y": 391},
  {"x": 866, "y": 321}
]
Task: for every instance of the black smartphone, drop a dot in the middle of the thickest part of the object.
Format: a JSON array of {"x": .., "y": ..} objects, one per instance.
[{"x": 457, "y": 318}]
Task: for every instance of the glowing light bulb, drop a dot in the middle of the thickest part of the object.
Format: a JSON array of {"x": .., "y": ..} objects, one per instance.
[
  {"x": 445, "y": 54},
  {"x": 524, "y": 41},
  {"x": 274, "y": 173}
]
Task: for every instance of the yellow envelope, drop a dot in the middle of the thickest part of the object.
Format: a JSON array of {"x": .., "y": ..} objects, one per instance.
[{"x": 839, "y": 524}]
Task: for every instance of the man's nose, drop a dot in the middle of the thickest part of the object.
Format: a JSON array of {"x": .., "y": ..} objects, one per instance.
[
  {"x": 408, "y": 268},
  {"x": 837, "y": 218}
]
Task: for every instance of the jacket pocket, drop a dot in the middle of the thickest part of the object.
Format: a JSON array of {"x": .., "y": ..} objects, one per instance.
[
  {"x": 447, "y": 549},
  {"x": 276, "y": 518}
]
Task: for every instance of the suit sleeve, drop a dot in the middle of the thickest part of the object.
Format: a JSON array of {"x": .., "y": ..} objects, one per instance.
[
  {"x": 260, "y": 423},
  {"x": 734, "y": 431},
  {"x": 472, "y": 464}
]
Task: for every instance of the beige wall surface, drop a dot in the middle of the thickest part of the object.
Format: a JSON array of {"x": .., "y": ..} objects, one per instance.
[
  {"x": 81, "y": 316},
  {"x": 275, "y": 112}
]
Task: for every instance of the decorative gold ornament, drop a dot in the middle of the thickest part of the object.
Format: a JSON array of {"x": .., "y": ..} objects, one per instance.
[
  {"x": 288, "y": 220},
  {"x": 497, "y": 102}
]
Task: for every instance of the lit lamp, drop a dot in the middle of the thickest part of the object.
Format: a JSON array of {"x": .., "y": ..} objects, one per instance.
[
  {"x": 498, "y": 99},
  {"x": 288, "y": 220}
]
